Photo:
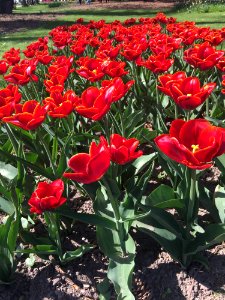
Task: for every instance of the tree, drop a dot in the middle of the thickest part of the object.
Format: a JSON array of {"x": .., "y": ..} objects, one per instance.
[{"x": 6, "y": 6}]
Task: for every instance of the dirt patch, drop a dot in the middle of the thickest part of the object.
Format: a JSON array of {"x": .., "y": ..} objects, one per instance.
[{"x": 21, "y": 22}]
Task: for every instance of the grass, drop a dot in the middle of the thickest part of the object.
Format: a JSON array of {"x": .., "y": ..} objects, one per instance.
[{"x": 214, "y": 17}]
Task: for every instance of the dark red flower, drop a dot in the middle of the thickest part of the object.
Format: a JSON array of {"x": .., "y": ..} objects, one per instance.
[
  {"x": 123, "y": 150},
  {"x": 28, "y": 115},
  {"x": 194, "y": 143},
  {"x": 203, "y": 56},
  {"x": 3, "y": 66},
  {"x": 90, "y": 167},
  {"x": 47, "y": 196}
]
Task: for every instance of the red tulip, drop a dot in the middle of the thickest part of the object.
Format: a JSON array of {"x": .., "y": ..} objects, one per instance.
[
  {"x": 194, "y": 143},
  {"x": 90, "y": 167},
  {"x": 28, "y": 115},
  {"x": 167, "y": 79},
  {"x": 157, "y": 64},
  {"x": 9, "y": 96},
  {"x": 47, "y": 196},
  {"x": 60, "y": 106},
  {"x": 123, "y": 150},
  {"x": 119, "y": 88},
  {"x": 203, "y": 56},
  {"x": 95, "y": 103},
  {"x": 90, "y": 68},
  {"x": 12, "y": 56},
  {"x": 22, "y": 73},
  {"x": 115, "y": 68},
  {"x": 3, "y": 66},
  {"x": 187, "y": 92}
]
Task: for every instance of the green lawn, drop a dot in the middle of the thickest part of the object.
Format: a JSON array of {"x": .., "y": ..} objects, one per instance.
[{"x": 213, "y": 16}]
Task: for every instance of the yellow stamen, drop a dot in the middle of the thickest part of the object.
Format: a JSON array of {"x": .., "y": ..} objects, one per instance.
[
  {"x": 189, "y": 95},
  {"x": 194, "y": 148}
]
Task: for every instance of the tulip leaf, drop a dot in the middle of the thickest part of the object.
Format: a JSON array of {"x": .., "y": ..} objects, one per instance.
[
  {"x": 163, "y": 197},
  {"x": 8, "y": 171},
  {"x": 167, "y": 239},
  {"x": 219, "y": 197},
  {"x": 71, "y": 255},
  {"x": 206, "y": 199},
  {"x": 40, "y": 171},
  {"x": 104, "y": 289},
  {"x": 214, "y": 234},
  {"x": 141, "y": 162},
  {"x": 7, "y": 206},
  {"x": 86, "y": 218}
]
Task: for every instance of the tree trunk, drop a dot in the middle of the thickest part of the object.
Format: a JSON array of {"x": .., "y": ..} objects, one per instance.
[{"x": 6, "y": 6}]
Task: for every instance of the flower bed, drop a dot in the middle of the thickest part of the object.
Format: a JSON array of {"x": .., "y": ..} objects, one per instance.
[{"x": 101, "y": 108}]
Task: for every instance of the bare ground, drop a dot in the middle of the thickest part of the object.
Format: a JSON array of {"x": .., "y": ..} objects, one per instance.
[{"x": 21, "y": 22}]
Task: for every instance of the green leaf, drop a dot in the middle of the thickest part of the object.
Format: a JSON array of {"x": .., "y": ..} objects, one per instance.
[
  {"x": 8, "y": 171},
  {"x": 214, "y": 234},
  {"x": 143, "y": 161},
  {"x": 104, "y": 290},
  {"x": 71, "y": 255},
  {"x": 6, "y": 206},
  {"x": 219, "y": 197},
  {"x": 86, "y": 218},
  {"x": 163, "y": 197}
]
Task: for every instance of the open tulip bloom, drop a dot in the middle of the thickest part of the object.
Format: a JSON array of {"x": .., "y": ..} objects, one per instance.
[{"x": 194, "y": 143}]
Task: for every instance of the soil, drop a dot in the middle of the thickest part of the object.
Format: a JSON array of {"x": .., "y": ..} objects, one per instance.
[
  {"x": 156, "y": 276},
  {"x": 21, "y": 22}
]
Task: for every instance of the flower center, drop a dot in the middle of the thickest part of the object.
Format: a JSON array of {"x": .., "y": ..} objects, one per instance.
[
  {"x": 189, "y": 95},
  {"x": 194, "y": 148}
]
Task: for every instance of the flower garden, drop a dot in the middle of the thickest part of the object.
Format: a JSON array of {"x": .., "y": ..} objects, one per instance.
[{"x": 129, "y": 115}]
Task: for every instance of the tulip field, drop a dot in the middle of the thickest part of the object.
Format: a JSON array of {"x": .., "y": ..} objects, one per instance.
[{"x": 129, "y": 116}]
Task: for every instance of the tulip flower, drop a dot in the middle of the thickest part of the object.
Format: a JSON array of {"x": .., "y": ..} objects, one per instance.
[
  {"x": 123, "y": 150},
  {"x": 9, "y": 96},
  {"x": 186, "y": 92},
  {"x": 12, "y": 56},
  {"x": 88, "y": 168},
  {"x": 60, "y": 105},
  {"x": 22, "y": 73},
  {"x": 3, "y": 66},
  {"x": 47, "y": 196},
  {"x": 194, "y": 143},
  {"x": 203, "y": 56},
  {"x": 28, "y": 115}
]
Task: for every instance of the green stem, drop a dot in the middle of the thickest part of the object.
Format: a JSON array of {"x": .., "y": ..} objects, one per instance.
[
  {"x": 53, "y": 229},
  {"x": 176, "y": 112},
  {"x": 119, "y": 221},
  {"x": 207, "y": 107},
  {"x": 41, "y": 139},
  {"x": 192, "y": 198}
]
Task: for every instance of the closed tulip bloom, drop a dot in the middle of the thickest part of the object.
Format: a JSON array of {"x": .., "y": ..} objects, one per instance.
[
  {"x": 188, "y": 94},
  {"x": 90, "y": 167},
  {"x": 3, "y": 66},
  {"x": 123, "y": 150},
  {"x": 194, "y": 143},
  {"x": 203, "y": 56},
  {"x": 47, "y": 197},
  {"x": 28, "y": 116}
]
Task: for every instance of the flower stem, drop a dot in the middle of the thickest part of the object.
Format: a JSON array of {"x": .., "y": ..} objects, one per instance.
[{"x": 192, "y": 197}]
